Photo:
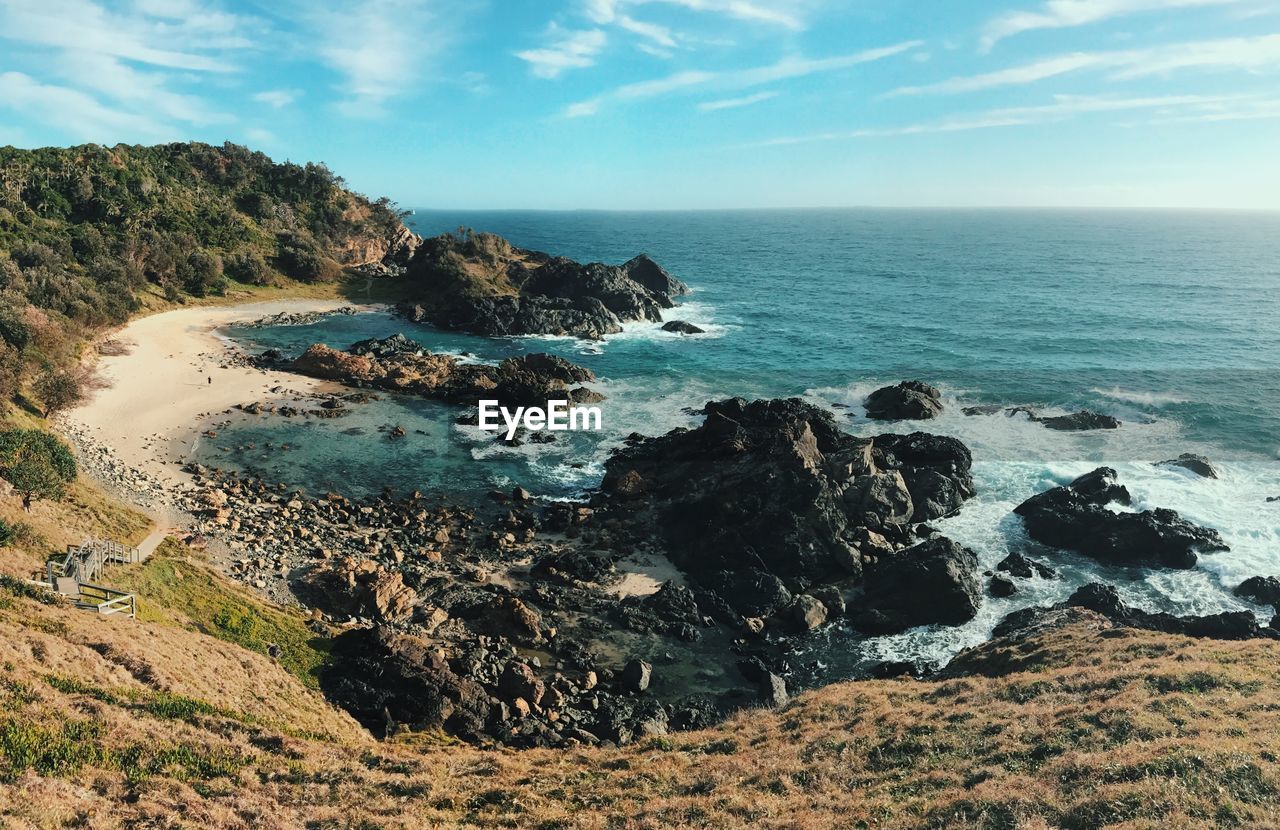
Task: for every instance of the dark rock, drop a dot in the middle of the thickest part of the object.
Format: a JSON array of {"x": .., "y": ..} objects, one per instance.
[
  {"x": 681, "y": 327},
  {"x": 775, "y": 487},
  {"x": 1076, "y": 517},
  {"x": 891, "y": 669},
  {"x": 1079, "y": 421},
  {"x": 1024, "y": 567},
  {"x": 1197, "y": 464},
  {"x": 1001, "y": 586},
  {"x": 934, "y": 582},
  {"x": 773, "y": 690},
  {"x": 1264, "y": 590},
  {"x": 1103, "y": 599},
  {"x": 910, "y": 400},
  {"x": 479, "y": 282},
  {"x": 519, "y": 681},
  {"x": 635, "y": 676},
  {"x": 379, "y": 676}
]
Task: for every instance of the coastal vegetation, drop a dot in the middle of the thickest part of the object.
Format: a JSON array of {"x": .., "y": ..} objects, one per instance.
[
  {"x": 36, "y": 464},
  {"x": 88, "y": 233}
]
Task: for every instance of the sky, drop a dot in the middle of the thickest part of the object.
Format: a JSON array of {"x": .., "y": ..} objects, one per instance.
[{"x": 673, "y": 104}]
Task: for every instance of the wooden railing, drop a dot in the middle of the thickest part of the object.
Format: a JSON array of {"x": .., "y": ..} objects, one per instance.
[
  {"x": 76, "y": 573},
  {"x": 107, "y": 601}
]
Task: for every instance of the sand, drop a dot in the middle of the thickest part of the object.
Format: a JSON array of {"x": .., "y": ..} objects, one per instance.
[{"x": 158, "y": 397}]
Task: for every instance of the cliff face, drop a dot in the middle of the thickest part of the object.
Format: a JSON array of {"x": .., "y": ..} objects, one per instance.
[{"x": 481, "y": 283}]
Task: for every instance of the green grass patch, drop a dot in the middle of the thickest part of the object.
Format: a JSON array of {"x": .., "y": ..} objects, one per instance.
[{"x": 176, "y": 589}]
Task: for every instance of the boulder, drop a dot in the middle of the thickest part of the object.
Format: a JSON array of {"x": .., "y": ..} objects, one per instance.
[
  {"x": 807, "y": 613},
  {"x": 934, "y": 582},
  {"x": 681, "y": 327},
  {"x": 1197, "y": 464},
  {"x": 1264, "y": 590},
  {"x": 910, "y": 400},
  {"x": 1077, "y": 517},
  {"x": 1024, "y": 567},
  {"x": 1001, "y": 586},
  {"x": 635, "y": 676}
]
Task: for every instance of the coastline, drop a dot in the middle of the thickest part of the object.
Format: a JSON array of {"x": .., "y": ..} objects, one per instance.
[{"x": 174, "y": 375}]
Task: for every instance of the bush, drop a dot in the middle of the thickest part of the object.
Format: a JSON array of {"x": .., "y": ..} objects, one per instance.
[
  {"x": 201, "y": 274},
  {"x": 248, "y": 267},
  {"x": 302, "y": 259},
  {"x": 37, "y": 464},
  {"x": 8, "y": 533},
  {"x": 10, "y": 374},
  {"x": 58, "y": 390}
]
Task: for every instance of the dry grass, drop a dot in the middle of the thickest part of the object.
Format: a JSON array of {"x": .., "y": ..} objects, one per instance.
[{"x": 1098, "y": 727}]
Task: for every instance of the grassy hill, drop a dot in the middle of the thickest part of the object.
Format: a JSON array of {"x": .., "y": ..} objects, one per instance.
[{"x": 182, "y": 719}]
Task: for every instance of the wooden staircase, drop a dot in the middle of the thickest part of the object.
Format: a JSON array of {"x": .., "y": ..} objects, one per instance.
[{"x": 76, "y": 574}]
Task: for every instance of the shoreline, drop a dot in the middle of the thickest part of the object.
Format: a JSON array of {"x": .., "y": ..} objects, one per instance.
[{"x": 175, "y": 375}]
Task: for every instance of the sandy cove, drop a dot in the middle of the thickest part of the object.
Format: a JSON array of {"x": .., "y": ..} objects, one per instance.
[{"x": 174, "y": 377}]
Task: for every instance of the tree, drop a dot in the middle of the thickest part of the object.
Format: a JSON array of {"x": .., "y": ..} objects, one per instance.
[
  {"x": 10, "y": 373},
  {"x": 37, "y": 464},
  {"x": 58, "y": 389},
  {"x": 201, "y": 273}
]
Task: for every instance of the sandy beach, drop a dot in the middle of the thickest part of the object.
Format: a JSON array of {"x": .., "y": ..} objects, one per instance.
[{"x": 173, "y": 377}]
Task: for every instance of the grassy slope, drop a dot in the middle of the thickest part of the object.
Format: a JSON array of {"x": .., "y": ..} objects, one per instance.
[{"x": 138, "y": 723}]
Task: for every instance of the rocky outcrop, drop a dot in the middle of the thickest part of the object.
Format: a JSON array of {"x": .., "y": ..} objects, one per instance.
[
  {"x": 1077, "y": 517},
  {"x": 1264, "y": 590},
  {"x": 1079, "y": 421},
  {"x": 397, "y": 364},
  {"x": 933, "y": 582},
  {"x": 768, "y": 498},
  {"x": 479, "y": 282},
  {"x": 1024, "y": 567},
  {"x": 1191, "y": 462},
  {"x": 910, "y": 400},
  {"x": 1103, "y": 599},
  {"x": 681, "y": 327}
]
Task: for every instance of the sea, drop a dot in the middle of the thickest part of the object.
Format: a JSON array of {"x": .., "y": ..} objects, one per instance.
[{"x": 1168, "y": 320}]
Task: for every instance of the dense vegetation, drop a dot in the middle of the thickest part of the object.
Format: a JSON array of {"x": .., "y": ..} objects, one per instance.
[{"x": 84, "y": 231}]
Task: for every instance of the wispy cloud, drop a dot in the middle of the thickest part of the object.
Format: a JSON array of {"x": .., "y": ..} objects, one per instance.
[
  {"x": 1063, "y": 108},
  {"x": 734, "y": 79},
  {"x": 788, "y": 14},
  {"x": 123, "y": 70},
  {"x": 734, "y": 103},
  {"x": 379, "y": 47},
  {"x": 1060, "y": 14},
  {"x": 575, "y": 49},
  {"x": 278, "y": 98},
  {"x": 77, "y": 113},
  {"x": 1251, "y": 54}
]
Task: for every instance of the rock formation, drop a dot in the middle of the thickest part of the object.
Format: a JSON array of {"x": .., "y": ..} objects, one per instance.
[
  {"x": 1077, "y": 517},
  {"x": 910, "y": 400},
  {"x": 481, "y": 283}
]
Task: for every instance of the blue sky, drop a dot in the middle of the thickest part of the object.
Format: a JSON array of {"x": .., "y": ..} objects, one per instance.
[{"x": 680, "y": 103}]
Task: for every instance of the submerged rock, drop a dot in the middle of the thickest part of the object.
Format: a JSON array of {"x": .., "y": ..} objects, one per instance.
[
  {"x": 1025, "y": 567},
  {"x": 1197, "y": 464},
  {"x": 911, "y": 400},
  {"x": 1077, "y": 517},
  {"x": 681, "y": 327},
  {"x": 1079, "y": 421}
]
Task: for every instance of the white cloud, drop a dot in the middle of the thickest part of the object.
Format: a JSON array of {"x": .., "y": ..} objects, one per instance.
[
  {"x": 84, "y": 26},
  {"x": 734, "y": 103},
  {"x": 1064, "y": 108},
  {"x": 1253, "y": 54},
  {"x": 568, "y": 50},
  {"x": 76, "y": 112},
  {"x": 734, "y": 79},
  {"x": 277, "y": 98},
  {"x": 789, "y": 14},
  {"x": 379, "y": 47},
  {"x": 660, "y": 35},
  {"x": 1059, "y": 14}
]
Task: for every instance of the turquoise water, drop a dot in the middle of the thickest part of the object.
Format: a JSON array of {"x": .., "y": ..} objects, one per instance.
[{"x": 1166, "y": 320}]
